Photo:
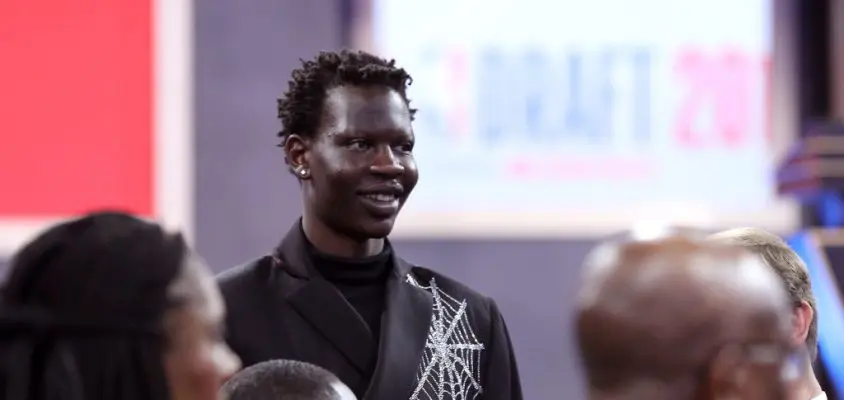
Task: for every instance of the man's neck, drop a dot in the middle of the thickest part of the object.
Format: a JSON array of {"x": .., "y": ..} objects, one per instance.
[
  {"x": 335, "y": 244},
  {"x": 808, "y": 387}
]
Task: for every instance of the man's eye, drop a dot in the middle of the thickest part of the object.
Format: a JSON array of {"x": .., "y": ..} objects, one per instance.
[
  {"x": 359, "y": 144},
  {"x": 407, "y": 147}
]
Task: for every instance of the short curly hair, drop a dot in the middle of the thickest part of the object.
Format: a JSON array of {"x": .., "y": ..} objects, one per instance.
[
  {"x": 300, "y": 108},
  {"x": 281, "y": 379}
]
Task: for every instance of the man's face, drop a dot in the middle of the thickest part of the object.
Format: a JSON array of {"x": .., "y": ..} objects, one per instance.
[
  {"x": 766, "y": 362},
  {"x": 757, "y": 358},
  {"x": 361, "y": 161}
]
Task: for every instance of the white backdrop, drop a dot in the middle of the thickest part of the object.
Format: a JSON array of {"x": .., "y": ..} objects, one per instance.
[{"x": 554, "y": 118}]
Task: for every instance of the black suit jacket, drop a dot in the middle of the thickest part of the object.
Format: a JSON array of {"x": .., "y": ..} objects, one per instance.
[{"x": 440, "y": 340}]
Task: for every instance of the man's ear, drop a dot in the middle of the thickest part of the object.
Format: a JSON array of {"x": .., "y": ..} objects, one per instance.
[
  {"x": 296, "y": 152},
  {"x": 801, "y": 321}
]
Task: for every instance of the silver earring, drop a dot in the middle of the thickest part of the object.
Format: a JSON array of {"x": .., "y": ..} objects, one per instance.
[{"x": 302, "y": 172}]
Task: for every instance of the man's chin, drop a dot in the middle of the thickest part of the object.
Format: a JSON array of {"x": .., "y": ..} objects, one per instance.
[{"x": 378, "y": 229}]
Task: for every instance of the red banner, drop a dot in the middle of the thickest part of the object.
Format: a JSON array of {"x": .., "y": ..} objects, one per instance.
[{"x": 76, "y": 126}]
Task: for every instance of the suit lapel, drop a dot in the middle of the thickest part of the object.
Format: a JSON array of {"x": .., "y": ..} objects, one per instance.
[
  {"x": 322, "y": 305},
  {"x": 406, "y": 322}
]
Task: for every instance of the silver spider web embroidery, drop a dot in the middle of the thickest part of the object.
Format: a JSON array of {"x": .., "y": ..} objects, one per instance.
[{"x": 449, "y": 369}]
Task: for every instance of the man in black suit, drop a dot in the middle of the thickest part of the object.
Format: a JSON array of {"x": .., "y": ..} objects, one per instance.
[{"x": 334, "y": 293}]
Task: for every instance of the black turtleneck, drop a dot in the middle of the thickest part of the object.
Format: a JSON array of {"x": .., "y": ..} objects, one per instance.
[{"x": 362, "y": 281}]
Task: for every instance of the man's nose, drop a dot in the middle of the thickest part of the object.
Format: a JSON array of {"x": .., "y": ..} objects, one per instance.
[{"x": 386, "y": 163}]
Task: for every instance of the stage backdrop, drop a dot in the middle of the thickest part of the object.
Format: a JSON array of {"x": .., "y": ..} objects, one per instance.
[{"x": 543, "y": 118}]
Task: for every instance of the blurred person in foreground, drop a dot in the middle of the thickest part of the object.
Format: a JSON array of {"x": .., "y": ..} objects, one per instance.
[
  {"x": 681, "y": 319},
  {"x": 109, "y": 307},
  {"x": 335, "y": 293},
  {"x": 795, "y": 276},
  {"x": 285, "y": 380}
]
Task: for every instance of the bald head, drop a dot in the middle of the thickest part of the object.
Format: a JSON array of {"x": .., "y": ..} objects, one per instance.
[{"x": 651, "y": 313}]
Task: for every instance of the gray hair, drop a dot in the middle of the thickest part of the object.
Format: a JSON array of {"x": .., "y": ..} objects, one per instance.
[{"x": 786, "y": 263}]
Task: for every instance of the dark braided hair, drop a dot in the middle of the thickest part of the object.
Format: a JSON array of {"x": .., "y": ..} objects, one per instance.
[
  {"x": 82, "y": 309},
  {"x": 300, "y": 109}
]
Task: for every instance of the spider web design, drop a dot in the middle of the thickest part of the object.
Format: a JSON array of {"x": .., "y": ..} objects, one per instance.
[{"x": 449, "y": 369}]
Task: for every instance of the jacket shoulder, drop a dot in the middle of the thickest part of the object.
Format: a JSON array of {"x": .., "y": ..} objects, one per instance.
[
  {"x": 432, "y": 280},
  {"x": 239, "y": 278}
]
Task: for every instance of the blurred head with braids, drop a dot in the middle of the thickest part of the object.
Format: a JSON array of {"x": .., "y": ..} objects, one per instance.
[
  {"x": 108, "y": 306},
  {"x": 347, "y": 137}
]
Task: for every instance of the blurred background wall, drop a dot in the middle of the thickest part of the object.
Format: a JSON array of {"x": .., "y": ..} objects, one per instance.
[{"x": 190, "y": 137}]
